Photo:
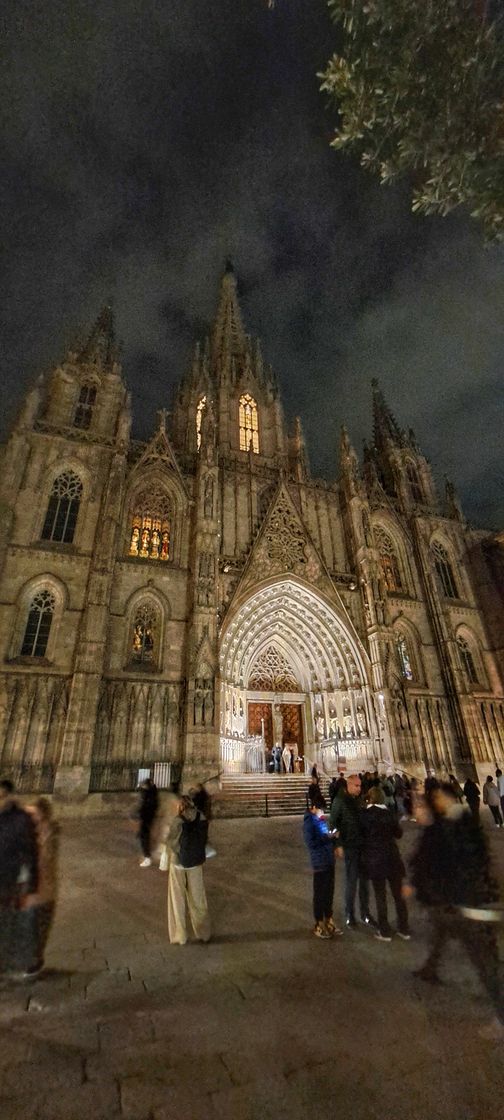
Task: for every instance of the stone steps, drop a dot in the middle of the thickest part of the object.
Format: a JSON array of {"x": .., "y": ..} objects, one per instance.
[{"x": 264, "y": 795}]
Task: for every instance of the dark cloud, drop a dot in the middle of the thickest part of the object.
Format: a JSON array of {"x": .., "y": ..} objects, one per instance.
[{"x": 143, "y": 143}]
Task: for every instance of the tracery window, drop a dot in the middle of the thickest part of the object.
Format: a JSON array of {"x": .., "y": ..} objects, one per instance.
[
  {"x": 467, "y": 660},
  {"x": 144, "y": 634},
  {"x": 404, "y": 658},
  {"x": 38, "y": 625},
  {"x": 85, "y": 405},
  {"x": 199, "y": 416},
  {"x": 249, "y": 427},
  {"x": 388, "y": 560},
  {"x": 444, "y": 571},
  {"x": 150, "y": 527},
  {"x": 414, "y": 483},
  {"x": 272, "y": 673},
  {"x": 63, "y": 508}
]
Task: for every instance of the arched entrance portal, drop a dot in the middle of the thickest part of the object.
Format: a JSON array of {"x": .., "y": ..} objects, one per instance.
[{"x": 293, "y": 672}]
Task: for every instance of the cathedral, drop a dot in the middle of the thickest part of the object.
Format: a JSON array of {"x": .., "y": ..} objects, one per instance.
[{"x": 180, "y": 607}]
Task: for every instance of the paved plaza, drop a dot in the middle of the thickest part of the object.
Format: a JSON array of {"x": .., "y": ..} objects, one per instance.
[{"x": 264, "y": 1023}]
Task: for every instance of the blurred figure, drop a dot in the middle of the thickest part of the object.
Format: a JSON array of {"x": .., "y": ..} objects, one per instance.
[
  {"x": 458, "y": 792},
  {"x": 277, "y": 759},
  {"x": 431, "y": 782},
  {"x": 473, "y": 797},
  {"x": 451, "y": 875},
  {"x": 492, "y": 799},
  {"x": 315, "y": 798},
  {"x": 499, "y": 781},
  {"x": 147, "y": 810},
  {"x": 202, "y": 800},
  {"x": 186, "y": 843},
  {"x": 383, "y": 863},
  {"x": 38, "y": 908},
  {"x": 18, "y": 877},
  {"x": 320, "y": 845}
]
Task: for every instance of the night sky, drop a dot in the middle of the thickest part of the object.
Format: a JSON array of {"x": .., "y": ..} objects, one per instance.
[{"x": 144, "y": 141}]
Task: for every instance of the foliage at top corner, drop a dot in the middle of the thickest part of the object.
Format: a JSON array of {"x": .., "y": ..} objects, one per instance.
[{"x": 419, "y": 89}]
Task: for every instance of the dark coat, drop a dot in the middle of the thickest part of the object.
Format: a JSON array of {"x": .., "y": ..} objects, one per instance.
[
  {"x": 451, "y": 865},
  {"x": 18, "y": 848},
  {"x": 193, "y": 840},
  {"x": 315, "y": 796},
  {"x": 148, "y": 804},
  {"x": 346, "y": 817},
  {"x": 320, "y": 845},
  {"x": 471, "y": 792},
  {"x": 380, "y": 854}
]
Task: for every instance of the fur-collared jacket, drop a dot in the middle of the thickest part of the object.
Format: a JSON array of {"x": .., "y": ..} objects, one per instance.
[{"x": 451, "y": 865}]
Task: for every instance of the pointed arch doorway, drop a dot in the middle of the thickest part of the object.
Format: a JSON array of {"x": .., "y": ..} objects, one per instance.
[{"x": 293, "y": 671}]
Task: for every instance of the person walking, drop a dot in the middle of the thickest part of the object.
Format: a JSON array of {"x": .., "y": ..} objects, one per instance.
[
  {"x": 38, "y": 908},
  {"x": 458, "y": 792},
  {"x": 346, "y": 820},
  {"x": 147, "y": 810},
  {"x": 186, "y": 843},
  {"x": 473, "y": 797},
  {"x": 320, "y": 845},
  {"x": 492, "y": 799},
  {"x": 18, "y": 878},
  {"x": 452, "y": 879},
  {"x": 383, "y": 864},
  {"x": 499, "y": 781}
]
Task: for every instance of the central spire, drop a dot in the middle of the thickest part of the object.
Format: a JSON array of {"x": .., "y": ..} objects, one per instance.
[
  {"x": 385, "y": 426},
  {"x": 228, "y": 335}
]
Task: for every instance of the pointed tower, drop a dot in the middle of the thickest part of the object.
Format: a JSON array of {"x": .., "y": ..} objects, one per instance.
[
  {"x": 228, "y": 336},
  {"x": 401, "y": 467},
  {"x": 298, "y": 457}
]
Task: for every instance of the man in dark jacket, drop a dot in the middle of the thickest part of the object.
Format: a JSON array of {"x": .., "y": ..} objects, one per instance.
[
  {"x": 147, "y": 810},
  {"x": 346, "y": 820},
  {"x": 451, "y": 875},
  {"x": 186, "y": 842},
  {"x": 383, "y": 864},
  {"x": 473, "y": 797},
  {"x": 321, "y": 848},
  {"x": 18, "y": 872}
]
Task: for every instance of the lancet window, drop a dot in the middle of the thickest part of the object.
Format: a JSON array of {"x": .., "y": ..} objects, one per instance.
[
  {"x": 444, "y": 571},
  {"x": 414, "y": 483},
  {"x": 388, "y": 560},
  {"x": 151, "y": 526},
  {"x": 467, "y": 661},
  {"x": 63, "y": 508},
  {"x": 85, "y": 405},
  {"x": 199, "y": 416},
  {"x": 249, "y": 425},
  {"x": 404, "y": 658},
  {"x": 38, "y": 625},
  {"x": 143, "y": 642}
]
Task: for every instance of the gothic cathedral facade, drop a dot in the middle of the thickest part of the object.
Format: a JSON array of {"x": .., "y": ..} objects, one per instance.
[{"x": 195, "y": 600}]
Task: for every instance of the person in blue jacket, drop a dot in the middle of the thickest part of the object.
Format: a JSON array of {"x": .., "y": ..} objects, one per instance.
[{"x": 320, "y": 845}]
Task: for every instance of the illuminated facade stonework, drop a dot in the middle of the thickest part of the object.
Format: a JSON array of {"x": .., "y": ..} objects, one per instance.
[{"x": 186, "y": 599}]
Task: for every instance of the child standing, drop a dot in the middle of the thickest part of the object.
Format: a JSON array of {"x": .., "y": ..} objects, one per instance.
[{"x": 321, "y": 848}]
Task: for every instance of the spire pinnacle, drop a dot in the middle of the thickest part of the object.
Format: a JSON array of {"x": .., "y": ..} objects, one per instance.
[
  {"x": 100, "y": 346},
  {"x": 228, "y": 336},
  {"x": 385, "y": 426}
]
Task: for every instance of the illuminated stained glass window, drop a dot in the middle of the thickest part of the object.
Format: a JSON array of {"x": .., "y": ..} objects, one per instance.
[
  {"x": 63, "y": 507},
  {"x": 414, "y": 482},
  {"x": 249, "y": 427},
  {"x": 404, "y": 658},
  {"x": 467, "y": 661},
  {"x": 150, "y": 527},
  {"x": 199, "y": 417},
  {"x": 444, "y": 571},
  {"x": 85, "y": 405},
  {"x": 144, "y": 634},
  {"x": 38, "y": 625},
  {"x": 388, "y": 560}
]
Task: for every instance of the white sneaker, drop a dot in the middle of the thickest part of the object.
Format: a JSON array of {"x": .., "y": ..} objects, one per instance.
[{"x": 146, "y": 862}]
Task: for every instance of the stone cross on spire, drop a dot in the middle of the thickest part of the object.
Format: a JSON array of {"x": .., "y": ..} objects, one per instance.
[{"x": 162, "y": 414}]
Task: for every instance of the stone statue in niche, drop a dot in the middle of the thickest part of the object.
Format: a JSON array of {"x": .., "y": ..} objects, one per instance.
[
  {"x": 348, "y": 725},
  {"x": 199, "y": 696},
  {"x": 320, "y": 726},
  {"x": 361, "y": 720},
  {"x": 335, "y": 727},
  {"x": 208, "y": 500},
  {"x": 277, "y": 724},
  {"x": 208, "y": 703}
]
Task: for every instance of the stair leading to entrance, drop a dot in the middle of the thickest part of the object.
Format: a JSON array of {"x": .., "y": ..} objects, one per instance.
[{"x": 264, "y": 795}]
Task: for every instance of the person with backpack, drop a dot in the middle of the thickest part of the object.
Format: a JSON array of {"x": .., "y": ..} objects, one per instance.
[{"x": 186, "y": 843}]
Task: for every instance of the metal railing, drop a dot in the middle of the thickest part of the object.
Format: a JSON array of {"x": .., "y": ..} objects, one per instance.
[{"x": 124, "y": 777}]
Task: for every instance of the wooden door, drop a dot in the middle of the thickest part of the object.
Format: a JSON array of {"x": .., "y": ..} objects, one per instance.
[
  {"x": 256, "y": 712},
  {"x": 292, "y": 725}
]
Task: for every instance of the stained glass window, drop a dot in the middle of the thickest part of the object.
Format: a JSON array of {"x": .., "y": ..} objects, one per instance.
[
  {"x": 144, "y": 632},
  {"x": 249, "y": 427},
  {"x": 38, "y": 624},
  {"x": 199, "y": 417},
  {"x": 388, "y": 560},
  {"x": 64, "y": 501},
  {"x": 444, "y": 571},
  {"x": 85, "y": 406},
  {"x": 150, "y": 527},
  {"x": 467, "y": 661},
  {"x": 404, "y": 658}
]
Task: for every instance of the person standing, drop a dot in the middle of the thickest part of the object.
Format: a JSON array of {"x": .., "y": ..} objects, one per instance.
[
  {"x": 346, "y": 820},
  {"x": 286, "y": 757},
  {"x": 315, "y": 797},
  {"x": 38, "y": 908},
  {"x": 452, "y": 879},
  {"x": 473, "y": 797},
  {"x": 321, "y": 848},
  {"x": 18, "y": 878},
  {"x": 499, "y": 781},
  {"x": 492, "y": 799},
  {"x": 147, "y": 810},
  {"x": 383, "y": 863},
  {"x": 186, "y": 843}
]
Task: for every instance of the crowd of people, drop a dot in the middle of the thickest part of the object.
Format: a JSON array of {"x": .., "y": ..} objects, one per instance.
[{"x": 449, "y": 871}]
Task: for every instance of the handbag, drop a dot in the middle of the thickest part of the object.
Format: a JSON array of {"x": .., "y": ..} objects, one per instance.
[
  {"x": 209, "y": 851},
  {"x": 163, "y": 862}
]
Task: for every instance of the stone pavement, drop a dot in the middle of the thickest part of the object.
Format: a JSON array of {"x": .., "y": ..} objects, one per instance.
[{"x": 264, "y": 1023}]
